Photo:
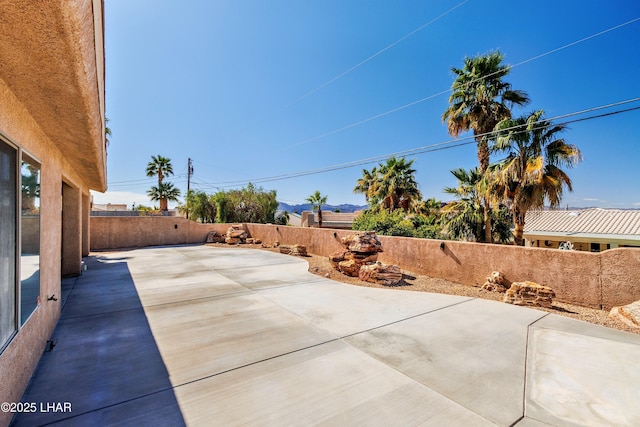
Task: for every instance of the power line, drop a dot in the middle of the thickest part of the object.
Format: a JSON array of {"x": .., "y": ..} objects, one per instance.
[
  {"x": 431, "y": 147},
  {"x": 333, "y": 79},
  {"x": 411, "y": 104}
]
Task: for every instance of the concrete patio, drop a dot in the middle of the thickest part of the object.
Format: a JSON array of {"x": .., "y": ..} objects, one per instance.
[{"x": 209, "y": 336}]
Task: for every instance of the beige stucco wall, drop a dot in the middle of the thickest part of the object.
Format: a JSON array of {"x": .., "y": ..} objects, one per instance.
[
  {"x": 589, "y": 279},
  {"x": 51, "y": 106}
]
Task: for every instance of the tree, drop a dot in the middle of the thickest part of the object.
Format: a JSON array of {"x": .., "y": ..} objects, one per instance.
[
  {"x": 531, "y": 173},
  {"x": 391, "y": 185},
  {"x": 199, "y": 207},
  {"x": 463, "y": 219},
  {"x": 164, "y": 192},
  {"x": 317, "y": 200},
  {"x": 160, "y": 166},
  {"x": 479, "y": 99}
]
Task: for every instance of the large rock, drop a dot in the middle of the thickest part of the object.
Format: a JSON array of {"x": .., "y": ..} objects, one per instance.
[
  {"x": 529, "y": 293},
  {"x": 362, "y": 242},
  {"x": 349, "y": 263},
  {"x": 495, "y": 283},
  {"x": 213, "y": 237},
  {"x": 349, "y": 268},
  {"x": 236, "y": 231},
  {"x": 388, "y": 275},
  {"x": 297, "y": 250},
  {"x": 629, "y": 314}
]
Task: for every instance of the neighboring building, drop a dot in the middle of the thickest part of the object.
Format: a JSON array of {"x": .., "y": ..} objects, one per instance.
[
  {"x": 593, "y": 229},
  {"x": 109, "y": 207},
  {"x": 342, "y": 220},
  {"x": 52, "y": 152}
]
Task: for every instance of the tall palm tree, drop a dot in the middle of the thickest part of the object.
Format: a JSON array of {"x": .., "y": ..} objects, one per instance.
[
  {"x": 479, "y": 99},
  {"x": 392, "y": 185},
  {"x": 160, "y": 166},
  {"x": 317, "y": 200},
  {"x": 531, "y": 173},
  {"x": 164, "y": 192}
]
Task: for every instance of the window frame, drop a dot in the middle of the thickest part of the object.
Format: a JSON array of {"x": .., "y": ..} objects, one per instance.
[{"x": 17, "y": 325}]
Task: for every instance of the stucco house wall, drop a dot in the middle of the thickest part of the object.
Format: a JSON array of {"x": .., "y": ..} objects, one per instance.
[{"x": 51, "y": 109}]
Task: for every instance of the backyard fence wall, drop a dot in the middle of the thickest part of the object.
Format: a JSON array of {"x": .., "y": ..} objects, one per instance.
[{"x": 598, "y": 280}]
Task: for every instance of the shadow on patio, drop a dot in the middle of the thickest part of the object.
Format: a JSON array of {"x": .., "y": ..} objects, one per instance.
[{"x": 105, "y": 362}]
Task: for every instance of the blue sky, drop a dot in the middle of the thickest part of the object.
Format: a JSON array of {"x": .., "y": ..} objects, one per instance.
[{"x": 239, "y": 86}]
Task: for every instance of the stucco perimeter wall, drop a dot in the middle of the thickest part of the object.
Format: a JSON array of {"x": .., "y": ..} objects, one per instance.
[
  {"x": 598, "y": 280},
  {"x": 595, "y": 280},
  {"x": 112, "y": 232}
]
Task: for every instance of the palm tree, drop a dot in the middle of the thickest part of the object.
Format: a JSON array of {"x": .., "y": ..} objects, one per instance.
[
  {"x": 160, "y": 166},
  {"x": 464, "y": 217},
  {"x": 392, "y": 185},
  {"x": 531, "y": 172},
  {"x": 317, "y": 200},
  {"x": 478, "y": 101},
  {"x": 367, "y": 185},
  {"x": 164, "y": 192}
]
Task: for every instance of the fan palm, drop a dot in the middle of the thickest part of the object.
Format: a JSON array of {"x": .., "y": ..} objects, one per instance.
[
  {"x": 531, "y": 173},
  {"x": 164, "y": 192},
  {"x": 160, "y": 166},
  {"x": 463, "y": 218},
  {"x": 480, "y": 98},
  {"x": 392, "y": 185},
  {"x": 317, "y": 200}
]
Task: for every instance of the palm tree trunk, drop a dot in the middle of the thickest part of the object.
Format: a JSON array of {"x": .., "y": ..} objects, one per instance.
[
  {"x": 164, "y": 205},
  {"x": 488, "y": 232},
  {"x": 483, "y": 159},
  {"x": 319, "y": 217},
  {"x": 518, "y": 231}
]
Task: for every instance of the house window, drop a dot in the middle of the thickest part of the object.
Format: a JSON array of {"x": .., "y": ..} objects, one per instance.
[
  {"x": 595, "y": 247},
  {"x": 29, "y": 237},
  {"x": 19, "y": 239},
  {"x": 8, "y": 231}
]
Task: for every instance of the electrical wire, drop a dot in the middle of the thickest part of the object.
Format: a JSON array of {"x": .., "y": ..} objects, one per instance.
[
  {"x": 344, "y": 73},
  {"x": 421, "y": 100},
  {"x": 432, "y": 147}
]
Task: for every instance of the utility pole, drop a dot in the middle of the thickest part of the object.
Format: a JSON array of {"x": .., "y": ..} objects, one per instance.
[{"x": 189, "y": 173}]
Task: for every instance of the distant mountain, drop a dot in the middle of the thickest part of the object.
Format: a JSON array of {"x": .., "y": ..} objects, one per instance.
[{"x": 307, "y": 207}]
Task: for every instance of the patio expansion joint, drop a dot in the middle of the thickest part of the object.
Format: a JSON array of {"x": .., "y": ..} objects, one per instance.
[
  {"x": 526, "y": 358},
  {"x": 339, "y": 338},
  {"x": 111, "y": 405}
]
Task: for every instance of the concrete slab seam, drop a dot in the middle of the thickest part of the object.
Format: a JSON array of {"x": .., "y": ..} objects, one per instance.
[
  {"x": 408, "y": 318},
  {"x": 61, "y": 420},
  {"x": 526, "y": 360}
]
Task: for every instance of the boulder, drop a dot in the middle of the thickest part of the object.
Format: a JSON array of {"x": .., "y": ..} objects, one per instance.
[
  {"x": 529, "y": 293},
  {"x": 232, "y": 240},
  {"x": 388, "y": 275},
  {"x": 363, "y": 242},
  {"x": 285, "y": 249},
  {"x": 213, "y": 237},
  {"x": 349, "y": 268},
  {"x": 495, "y": 283},
  {"x": 357, "y": 260},
  {"x": 299, "y": 250},
  {"x": 628, "y": 314},
  {"x": 336, "y": 258}
]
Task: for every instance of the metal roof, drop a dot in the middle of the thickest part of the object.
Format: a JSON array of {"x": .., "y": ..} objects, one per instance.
[{"x": 592, "y": 221}]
